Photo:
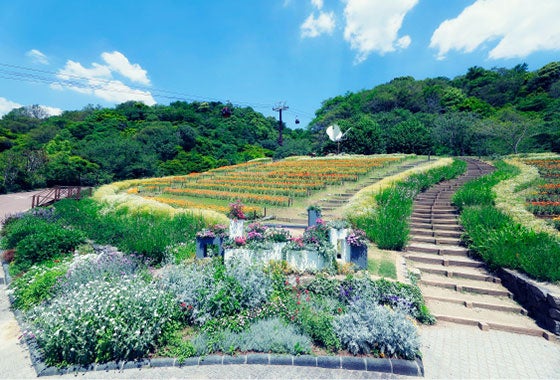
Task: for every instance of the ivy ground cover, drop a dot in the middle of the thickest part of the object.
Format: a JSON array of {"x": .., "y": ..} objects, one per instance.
[
  {"x": 261, "y": 183},
  {"x": 545, "y": 200}
]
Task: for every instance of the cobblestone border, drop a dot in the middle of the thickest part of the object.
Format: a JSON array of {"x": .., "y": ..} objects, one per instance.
[{"x": 392, "y": 366}]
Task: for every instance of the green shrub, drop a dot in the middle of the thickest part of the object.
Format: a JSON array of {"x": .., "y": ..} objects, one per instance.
[
  {"x": 479, "y": 192},
  {"x": 18, "y": 228},
  {"x": 50, "y": 241},
  {"x": 37, "y": 284},
  {"x": 142, "y": 233}
]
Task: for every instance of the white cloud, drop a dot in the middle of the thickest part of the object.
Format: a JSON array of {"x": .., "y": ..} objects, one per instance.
[
  {"x": 7, "y": 105},
  {"x": 373, "y": 26},
  {"x": 119, "y": 63},
  {"x": 314, "y": 27},
  {"x": 37, "y": 56},
  {"x": 52, "y": 111},
  {"x": 98, "y": 80},
  {"x": 521, "y": 27},
  {"x": 317, "y": 4}
]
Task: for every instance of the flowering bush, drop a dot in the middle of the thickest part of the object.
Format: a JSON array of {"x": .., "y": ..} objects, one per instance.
[
  {"x": 356, "y": 238},
  {"x": 256, "y": 232},
  {"x": 103, "y": 321},
  {"x": 106, "y": 265},
  {"x": 278, "y": 235},
  {"x": 236, "y": 211},
  {"x": 215, "y": 230}
]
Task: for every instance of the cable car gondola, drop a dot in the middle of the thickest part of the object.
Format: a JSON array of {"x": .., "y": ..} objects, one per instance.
[
  {"x": 297, "y": 120},
  {"x": 226, "y": 112}
]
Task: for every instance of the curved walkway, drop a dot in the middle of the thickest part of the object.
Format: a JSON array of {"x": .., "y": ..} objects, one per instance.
[{"x": 449, "y": 351}]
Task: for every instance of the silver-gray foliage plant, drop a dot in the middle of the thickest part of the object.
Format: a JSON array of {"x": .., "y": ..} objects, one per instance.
[
  {"x": 269, "y": 335},
  {"x": 367, "y": 328},
  {"x": 194, "y": 285}
]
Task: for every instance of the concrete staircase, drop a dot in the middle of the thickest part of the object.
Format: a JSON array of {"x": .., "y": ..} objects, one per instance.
[{"x": 457, "y": 287}]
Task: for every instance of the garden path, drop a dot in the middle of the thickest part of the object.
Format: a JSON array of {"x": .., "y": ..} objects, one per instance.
[
  {"x": 457, "y": 287},
  {"x": 14, "y": 357}
]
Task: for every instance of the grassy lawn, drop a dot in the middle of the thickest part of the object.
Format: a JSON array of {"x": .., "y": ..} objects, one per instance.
[{"x": 381, "y": 263}]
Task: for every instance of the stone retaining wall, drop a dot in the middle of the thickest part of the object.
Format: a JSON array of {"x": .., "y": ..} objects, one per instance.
[{"x": 543, "y": 304}]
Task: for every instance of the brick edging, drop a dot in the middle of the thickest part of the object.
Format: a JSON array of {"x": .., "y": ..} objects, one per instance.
[{"x": 393, "y": 366}]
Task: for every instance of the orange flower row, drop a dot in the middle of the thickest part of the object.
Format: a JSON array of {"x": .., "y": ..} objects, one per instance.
[{"x": 244, "y": 197}]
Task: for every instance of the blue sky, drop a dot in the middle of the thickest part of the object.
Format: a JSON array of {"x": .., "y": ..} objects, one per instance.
[{"x": 66, "y": 54}]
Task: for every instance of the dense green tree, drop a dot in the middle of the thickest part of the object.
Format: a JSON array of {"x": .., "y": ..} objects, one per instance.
[
  {"x": 409, "y": 136},
  {"x": 364, "y": 136}
]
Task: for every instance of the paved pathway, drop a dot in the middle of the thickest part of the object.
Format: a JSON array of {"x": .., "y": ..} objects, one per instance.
[{"x": 450, "y": 351}]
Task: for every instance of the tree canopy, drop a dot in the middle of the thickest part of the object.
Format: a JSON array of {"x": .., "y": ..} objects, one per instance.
[{"x": 483, "y": 112}]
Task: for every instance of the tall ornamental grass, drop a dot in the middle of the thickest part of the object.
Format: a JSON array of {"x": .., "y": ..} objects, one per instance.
[
  {"x": 386, "y": 224},
  {"x": 497, "y": 238},
  {"x": 479, "y": 191},
  {"x": 141, "y": 233}
]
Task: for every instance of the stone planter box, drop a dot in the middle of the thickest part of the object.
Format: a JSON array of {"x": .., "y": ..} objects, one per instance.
[
  {"x": 358, "y": 256},
  {"x": 338, "y": 240},
  {"x": 312, "y": 216},
  {"x": 202, "y": 244},
  {"x": 306, "y": 261},
  {"x": 236, "y": 228},
  {"x": 261, "y": 256}
]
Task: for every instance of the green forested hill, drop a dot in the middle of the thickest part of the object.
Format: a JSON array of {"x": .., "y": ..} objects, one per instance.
[
  {"x": 484, "y": 112},
  {"x": 99, "y": 145},
  {"x": 495, "y": 111}
]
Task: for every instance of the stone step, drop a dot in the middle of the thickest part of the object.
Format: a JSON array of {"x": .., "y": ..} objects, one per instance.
[
  {"x": 335, "y": 201},
  {"x": 434, "y": 216},
  {"x": 436, "y": 226},
  {"x": 465, "y": 285},
  {"x": 431, "y": 202},
  {"x": 435, "y": 233},
  {"x": 463, "y": 298},
  {"x": 486, "y": 319},
  {"x": 439, "y": 221},
  {"x": 477, "y": 274},
  {"x": 436, "y": 209},
  {"x": 481, "y": 305},
  {"x": 446, "y": 261},
  {"x": 440, "y": 250},
  {"x": 434, "y": 240}
]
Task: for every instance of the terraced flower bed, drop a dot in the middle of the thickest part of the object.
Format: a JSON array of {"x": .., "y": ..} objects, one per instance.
[
  {"x": 260, "y": 184},
  {"x": 545, "y": 200}
]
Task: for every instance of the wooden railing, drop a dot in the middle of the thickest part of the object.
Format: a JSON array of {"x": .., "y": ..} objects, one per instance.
[{"x": 49, "y": 196}]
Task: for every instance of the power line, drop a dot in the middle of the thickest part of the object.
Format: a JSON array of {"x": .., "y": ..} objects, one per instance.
[{"x": 67, "y": 80}]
